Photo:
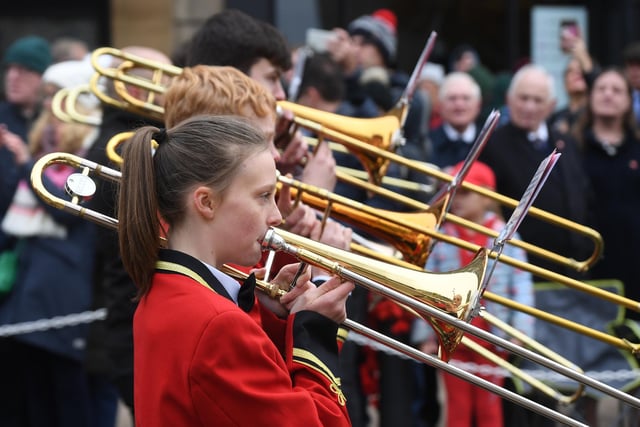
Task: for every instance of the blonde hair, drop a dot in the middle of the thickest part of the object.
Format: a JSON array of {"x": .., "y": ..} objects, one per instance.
[{"x": 69, "y": 138}]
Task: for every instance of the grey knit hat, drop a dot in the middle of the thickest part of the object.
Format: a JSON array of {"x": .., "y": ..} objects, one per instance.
[{"x": 379, "y": 28}]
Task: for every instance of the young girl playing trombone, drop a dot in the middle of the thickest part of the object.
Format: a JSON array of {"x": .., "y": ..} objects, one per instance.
[{"x": 199, "y": 358}]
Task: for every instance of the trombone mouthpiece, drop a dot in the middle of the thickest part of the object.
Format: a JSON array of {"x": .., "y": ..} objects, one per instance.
[{"x": 272, "y": 241}]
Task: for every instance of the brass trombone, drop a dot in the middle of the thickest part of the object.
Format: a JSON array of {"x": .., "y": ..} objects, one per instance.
[
  {"x": 365, "y": 272},
  {"x": 346, "y": 210},
  {"x": 372, "y": 141},
  {"x": 57, "y": 103},
  {"x": 383, "y": 132},
  {"x": 411, "y": 233},
  {"x": 64, "y": 106},
  {"x": 407, "y": 232},
  {"x": 275, "y": 292},
  {"x": 119, "y": 75},
  {"x": 447, "y": 310},
  {"x": 354, "y": 213},
  {"x": 403, "y": 231},
  {"x": 320, "y": 123}
]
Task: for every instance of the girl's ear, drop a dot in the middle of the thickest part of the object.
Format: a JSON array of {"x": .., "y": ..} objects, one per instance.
[{"x": 205, "y": 202}]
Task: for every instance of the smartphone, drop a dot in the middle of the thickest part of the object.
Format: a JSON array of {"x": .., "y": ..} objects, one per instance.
[
  {"x": 569, "y": 31},
  {"x": 317, "y": 39}
]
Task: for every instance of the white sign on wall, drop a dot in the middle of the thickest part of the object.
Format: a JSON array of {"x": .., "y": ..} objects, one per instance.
[{"x": 547, "y": 24}]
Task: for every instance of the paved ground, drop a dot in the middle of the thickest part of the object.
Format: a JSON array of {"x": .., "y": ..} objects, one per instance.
[{"x": 609, "y": 412}]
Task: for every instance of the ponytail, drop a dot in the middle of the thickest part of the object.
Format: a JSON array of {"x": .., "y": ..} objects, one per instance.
[{"x": 139, "y": 226}]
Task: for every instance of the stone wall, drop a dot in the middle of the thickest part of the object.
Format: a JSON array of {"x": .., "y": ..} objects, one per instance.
[{"x": 161, "y": 24}]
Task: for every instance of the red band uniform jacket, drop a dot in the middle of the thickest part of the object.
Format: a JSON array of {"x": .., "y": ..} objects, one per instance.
[{"x": 200, "y": 360}]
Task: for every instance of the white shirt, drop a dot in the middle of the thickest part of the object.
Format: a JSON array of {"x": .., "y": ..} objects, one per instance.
[
  {"x": 229, "y": 283},
  {"x": 468, "y": 136},
  {"x": 542, "y": 133}
]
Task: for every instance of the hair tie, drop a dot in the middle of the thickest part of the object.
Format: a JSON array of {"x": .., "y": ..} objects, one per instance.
[{"x": 160, "y": 136}]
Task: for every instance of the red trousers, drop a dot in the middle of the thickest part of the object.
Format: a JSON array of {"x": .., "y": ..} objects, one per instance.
[{"x": 466, "y": 401}]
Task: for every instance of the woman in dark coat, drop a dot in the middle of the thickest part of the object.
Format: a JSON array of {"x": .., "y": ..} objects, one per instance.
[{"x": 610, "y": 144}]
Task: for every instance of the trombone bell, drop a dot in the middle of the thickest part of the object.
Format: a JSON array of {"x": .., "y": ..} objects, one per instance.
[
  {"x": 456, "y": 293},
  {"x": 382, "y": 132}
]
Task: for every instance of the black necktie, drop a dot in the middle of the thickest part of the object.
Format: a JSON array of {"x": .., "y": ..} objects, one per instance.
[
  {"x": 458, "y": 140},
  {"x": 539, "y": 144},
  {"x": 246, "y": 296},
  {"x": 460, "y": 149}
]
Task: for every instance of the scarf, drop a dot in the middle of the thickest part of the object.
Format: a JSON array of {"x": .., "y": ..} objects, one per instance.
[{"x": 27, "y": 218}]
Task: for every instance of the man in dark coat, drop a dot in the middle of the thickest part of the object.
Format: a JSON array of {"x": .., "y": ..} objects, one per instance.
[
  {"x": 460, "y": 102},
  {"x": 514, "y": 152}
]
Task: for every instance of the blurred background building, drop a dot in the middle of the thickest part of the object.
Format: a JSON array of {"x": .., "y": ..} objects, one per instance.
[{"x": 500, "y": 30}]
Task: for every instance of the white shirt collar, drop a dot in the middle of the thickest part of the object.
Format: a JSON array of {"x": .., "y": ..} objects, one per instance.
[
  {"x": 542, "y": 133},
  {"x": 468, "y": 136},
  {"x": 229, "y": 283}
]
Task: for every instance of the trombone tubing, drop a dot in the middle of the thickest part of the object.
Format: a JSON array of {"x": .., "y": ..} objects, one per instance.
[
  {"x": 540, "y": 314},
  {"x": 137, "y": 62},
  {"x": 400, "y": 198},
  {"x": 56, "y": 105},
  {"x": 620, "y": 343},
  {"x": 74, "y": 114},
  {"x": 534, "y": 269},
  {"x": 155, "y": 85},
  {"x": 278, "y": 242},
  {"x": 70, "y": 114},
  {"x": 355, "y": 143}
]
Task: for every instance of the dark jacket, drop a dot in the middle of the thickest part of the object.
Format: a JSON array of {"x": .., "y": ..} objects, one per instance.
[
  {"x": 514, "y": 160},
  {"x": 54, "y": 279},
  {"x": 444, "y": 151},
  {"x": 12, "y": 118},
  {"x": 615, "y": 178}
]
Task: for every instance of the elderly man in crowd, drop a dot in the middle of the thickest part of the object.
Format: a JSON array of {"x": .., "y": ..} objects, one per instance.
[
  {"x": 514, "y": 152},
  {"x": 516, "y": 149},
  {"x": 460, "y": 103}
]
